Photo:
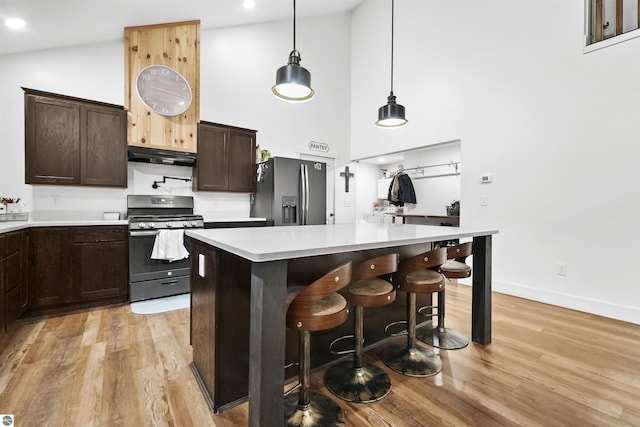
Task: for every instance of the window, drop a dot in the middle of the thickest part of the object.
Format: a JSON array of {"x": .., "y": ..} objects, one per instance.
[{"x": 610, "y": 19}]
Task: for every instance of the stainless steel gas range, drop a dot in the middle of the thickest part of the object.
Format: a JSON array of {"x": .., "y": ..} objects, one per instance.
[{"x": 151, "y": 216}]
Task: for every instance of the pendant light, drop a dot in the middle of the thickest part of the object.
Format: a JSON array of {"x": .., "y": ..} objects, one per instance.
[
  {"x": 293, "y": 82},
  {"x": 391, "y": 115}
]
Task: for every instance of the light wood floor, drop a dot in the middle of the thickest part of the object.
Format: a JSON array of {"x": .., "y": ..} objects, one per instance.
[{"x": 546, "y": 366}]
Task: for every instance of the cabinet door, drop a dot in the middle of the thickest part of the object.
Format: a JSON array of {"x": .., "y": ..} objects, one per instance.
[
  {"x": 99, "y": 263},
  {"x": 52, "y": 141},
  {"x": 16, "y": 264},
  {"x": 3, "y": 252},
  {"x": 210, "y": 172},
  {"x": 103, "y": 136},
  {"x": 14, "y": 273},
  {"x": 242, "y": 161},
  {"x": 49, "y": 272}
]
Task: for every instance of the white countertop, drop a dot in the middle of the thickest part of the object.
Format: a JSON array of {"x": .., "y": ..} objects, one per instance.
[
  {"x": 7, "y": 226},
  {"x": 21, "y": 225},
  {"x": 286, "y": 242},
  {"x": 233, "y": 219}
]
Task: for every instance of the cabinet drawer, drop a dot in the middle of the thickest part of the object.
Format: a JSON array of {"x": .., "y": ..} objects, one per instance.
[
  {"x": 99, "y": 234},
  {"x": 3, "y": 246}
]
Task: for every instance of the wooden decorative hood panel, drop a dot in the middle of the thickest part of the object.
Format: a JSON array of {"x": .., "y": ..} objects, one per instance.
[{"x": 176, "y": 46}]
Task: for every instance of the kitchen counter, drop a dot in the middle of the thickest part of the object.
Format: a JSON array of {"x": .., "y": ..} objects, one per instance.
[
  {"x": 450, "y": 220},
  {"x": 239, "y": 281},
  {"x": 5, "y": 227},
  {"x": 233, "y": 219},
  {"x": 280, "y": 243}
]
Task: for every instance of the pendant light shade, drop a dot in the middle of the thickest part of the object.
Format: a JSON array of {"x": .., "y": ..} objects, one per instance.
[
  {"x": 391, "y": 115},
  {"x": 293, "y": 82}
]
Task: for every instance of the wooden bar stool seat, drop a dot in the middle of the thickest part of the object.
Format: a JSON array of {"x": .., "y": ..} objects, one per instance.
[
  {"x": 418, "y": 274},
  {"x": 440, "y": 336},
  {"x": 316, "y": 307},
  {"x": 358, "y": 381}
]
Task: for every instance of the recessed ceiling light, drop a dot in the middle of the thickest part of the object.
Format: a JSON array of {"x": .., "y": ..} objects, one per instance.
[
  {"x": 15, "y": 23},
  {"x": 248, "y": 4}
]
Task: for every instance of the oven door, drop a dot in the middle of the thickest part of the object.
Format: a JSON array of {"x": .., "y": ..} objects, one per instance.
[{"x": 154, "y": 278}]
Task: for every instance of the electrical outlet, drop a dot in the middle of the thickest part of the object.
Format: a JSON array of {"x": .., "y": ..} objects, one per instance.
[
  {"x": 561, "y": 269},
  {"x": 484, "y": 201}
]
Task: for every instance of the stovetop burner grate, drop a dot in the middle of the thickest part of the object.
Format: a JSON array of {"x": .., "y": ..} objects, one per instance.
[{"x": 164, "y": 217}]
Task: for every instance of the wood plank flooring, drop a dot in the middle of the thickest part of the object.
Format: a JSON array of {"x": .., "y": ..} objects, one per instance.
[{"x": 546, "y": 366}]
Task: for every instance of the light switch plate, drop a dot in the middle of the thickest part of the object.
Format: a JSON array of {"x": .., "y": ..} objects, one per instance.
[{"x": 201, "y": 265}]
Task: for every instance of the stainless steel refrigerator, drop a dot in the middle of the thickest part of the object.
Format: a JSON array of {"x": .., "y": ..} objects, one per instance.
[{"x": 291, "y": 192}]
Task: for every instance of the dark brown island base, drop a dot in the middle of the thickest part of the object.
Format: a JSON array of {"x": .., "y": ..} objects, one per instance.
[{"x": 239, "y": 279}]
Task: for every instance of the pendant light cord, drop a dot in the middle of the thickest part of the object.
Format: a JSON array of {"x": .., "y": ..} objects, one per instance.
[
  {"x": 392, "y": 19},
  {"x": 294, "y": 25}
]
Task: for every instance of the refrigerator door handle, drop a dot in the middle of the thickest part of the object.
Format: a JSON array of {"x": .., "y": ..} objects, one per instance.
[
  {"x": 303, "y": 195},
  {"x": 303, "y": 191},
  {"x": 306, "y": 198}
]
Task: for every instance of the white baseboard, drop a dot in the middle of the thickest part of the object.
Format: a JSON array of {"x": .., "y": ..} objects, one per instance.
[{"x": 587, "y": 305}]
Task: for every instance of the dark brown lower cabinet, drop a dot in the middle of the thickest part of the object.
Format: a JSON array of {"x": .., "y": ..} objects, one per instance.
[
  {"x": 13, "y": 276},
  {"x": 73, "y": 267},
  {"x": 49, "y": 273},
  {"x": 3, "y": 270},
  {"x": 99, "y": 263}
]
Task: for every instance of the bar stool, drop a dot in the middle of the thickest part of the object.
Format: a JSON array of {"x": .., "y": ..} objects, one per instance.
[
  {"x": 315, "y": 307},
  {"x": 358, "y": 381},
  {"x": 418, "y": 274},
  {"x": 454, "y": 268}
]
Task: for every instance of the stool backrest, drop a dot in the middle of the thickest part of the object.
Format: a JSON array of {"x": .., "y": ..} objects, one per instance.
[
  {"x": 460, "y": 252},
  {"x": 333, "y": 281},
  {"x": 375, "y": 267},
  {"x": 432, "y": 260}
]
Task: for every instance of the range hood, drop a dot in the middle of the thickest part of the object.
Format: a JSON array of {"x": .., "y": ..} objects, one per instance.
[{"x": 163, "y": 157}]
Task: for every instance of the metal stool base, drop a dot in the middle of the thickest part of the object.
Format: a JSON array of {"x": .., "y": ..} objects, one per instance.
[
  {"x": 360, "y": 385},
  {"x": 444, "y": 338},
  {"x": 414, "y": 362},
  {"x": 322, "y": 411}
]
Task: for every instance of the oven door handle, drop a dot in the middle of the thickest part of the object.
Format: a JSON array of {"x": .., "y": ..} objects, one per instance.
[{"x": 134, "y": 233}]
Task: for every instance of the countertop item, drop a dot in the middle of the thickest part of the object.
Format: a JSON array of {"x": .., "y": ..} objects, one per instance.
[{"x": 286, "y": 242}]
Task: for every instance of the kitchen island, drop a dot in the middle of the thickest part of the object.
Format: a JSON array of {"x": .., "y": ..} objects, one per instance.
[{"x": 239, "y": 279}]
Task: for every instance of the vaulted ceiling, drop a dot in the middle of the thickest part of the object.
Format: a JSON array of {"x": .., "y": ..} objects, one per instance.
[{"x": 58, "y": 23}]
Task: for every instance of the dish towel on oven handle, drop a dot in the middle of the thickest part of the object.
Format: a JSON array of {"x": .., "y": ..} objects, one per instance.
[{"x": 169, "y": 245}]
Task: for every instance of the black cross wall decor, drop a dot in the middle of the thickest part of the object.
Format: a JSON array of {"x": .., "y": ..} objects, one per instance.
[{"x": 346, "y": 175}]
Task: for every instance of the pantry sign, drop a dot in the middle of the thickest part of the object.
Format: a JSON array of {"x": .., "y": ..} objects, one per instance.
[{"x": 318, "y": 146}]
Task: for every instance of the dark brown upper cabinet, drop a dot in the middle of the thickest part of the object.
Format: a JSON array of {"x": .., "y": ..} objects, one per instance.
[
  {"x": 73, "y": 141},
  {"x": 226, "y": 159}
]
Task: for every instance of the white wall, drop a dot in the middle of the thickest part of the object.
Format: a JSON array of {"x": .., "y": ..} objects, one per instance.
[
  {"x": 238, "y": 67},
  {"x": 554, "y": 126},
  {"x": 366, "y": 188}
]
